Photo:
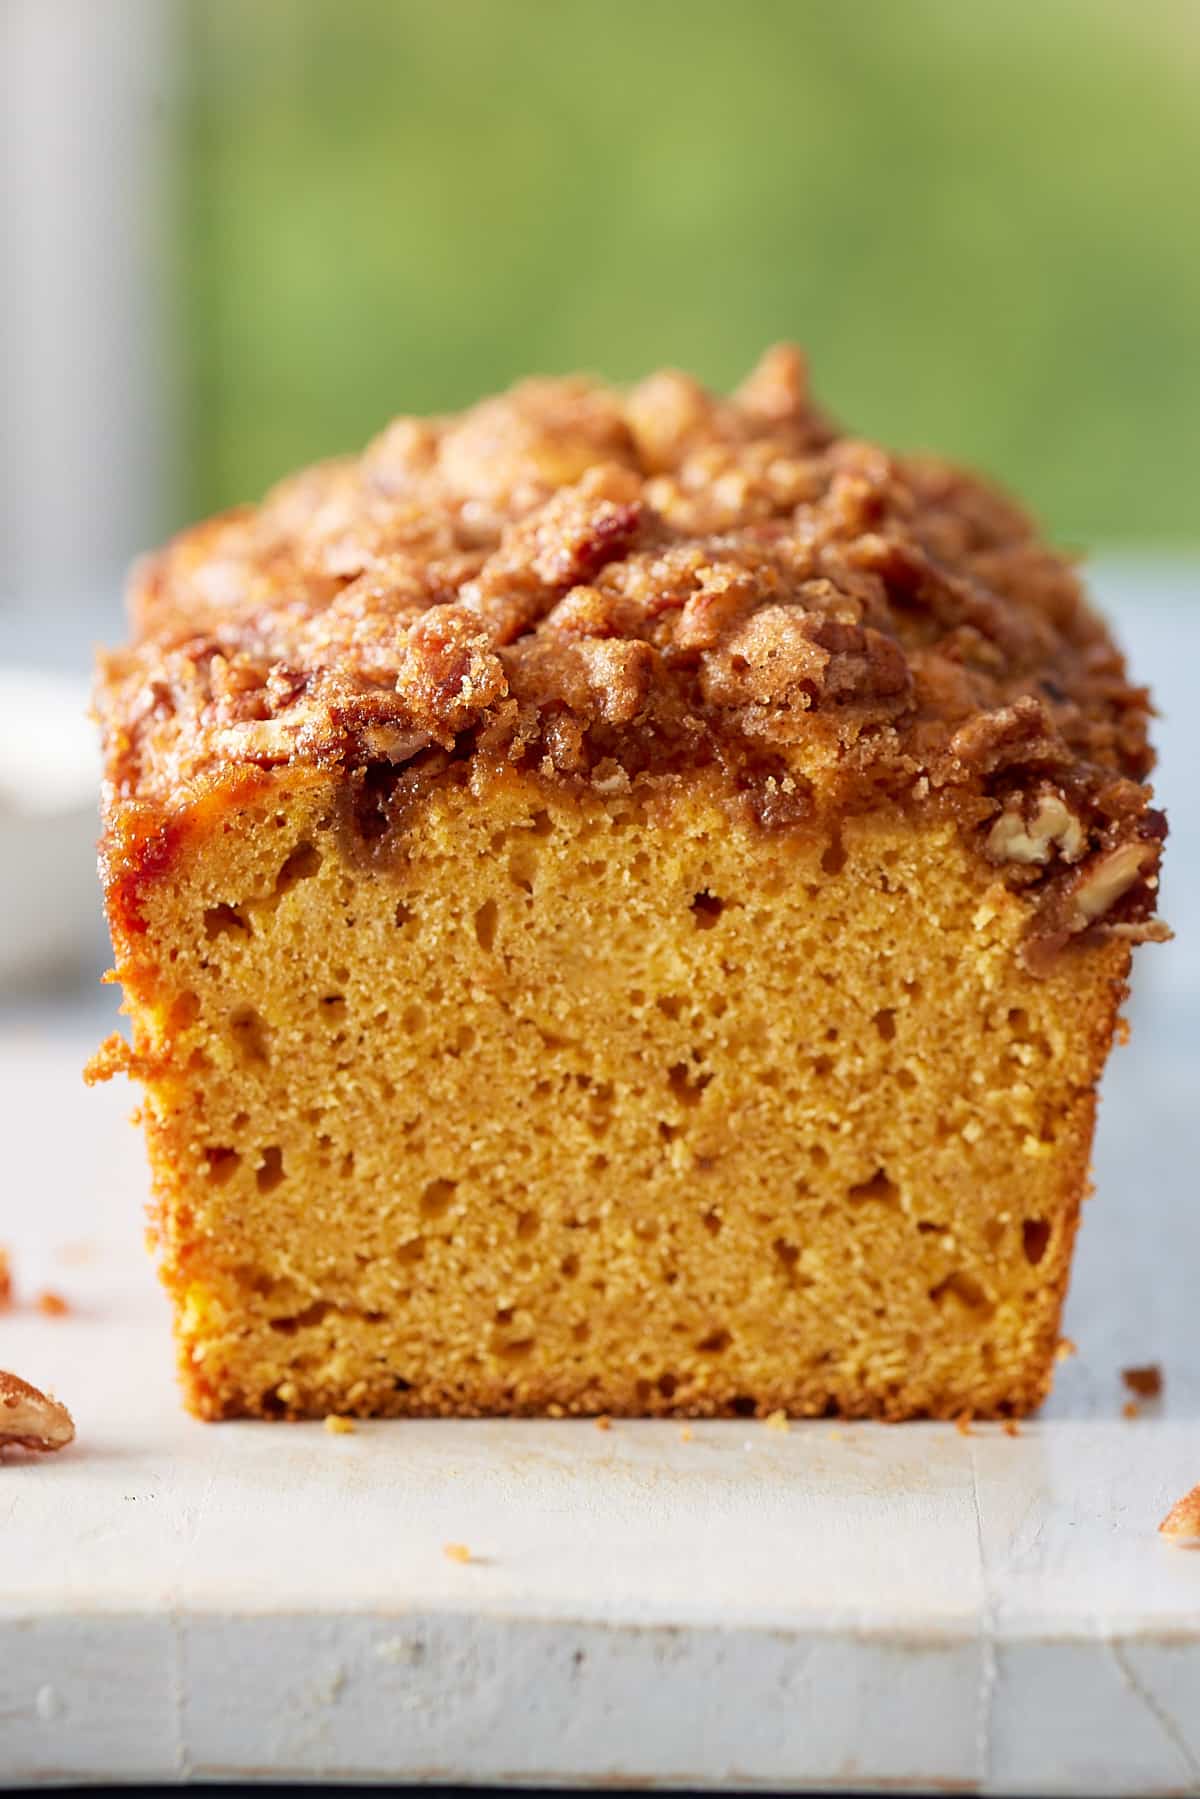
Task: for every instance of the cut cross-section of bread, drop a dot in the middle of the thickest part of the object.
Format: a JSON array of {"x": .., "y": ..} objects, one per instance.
[{"x": 624, "y": 902}]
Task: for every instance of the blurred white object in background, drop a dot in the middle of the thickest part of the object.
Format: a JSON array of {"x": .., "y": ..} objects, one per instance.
[
  {"x": 49, "y": 780},
  {"x": 87, "y": 368},
  {"x": 87, "y": 428}
]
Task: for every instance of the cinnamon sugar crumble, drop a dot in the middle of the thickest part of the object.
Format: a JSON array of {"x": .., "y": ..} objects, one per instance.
[
  {"x": 6, "y": 1289},
  {"x": 618, "y": 586},
  {"x": 52, "y": 1304}
]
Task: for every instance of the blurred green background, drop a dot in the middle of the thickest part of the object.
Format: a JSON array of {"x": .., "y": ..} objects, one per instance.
[{"x": 979, "y": 216}]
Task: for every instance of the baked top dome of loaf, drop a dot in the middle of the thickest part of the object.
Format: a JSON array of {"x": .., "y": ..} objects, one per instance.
[{"x": 610, "y": 585}]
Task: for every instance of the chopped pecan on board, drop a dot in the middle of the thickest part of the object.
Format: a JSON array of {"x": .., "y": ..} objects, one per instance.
[{"x": 29, "y": 1419}]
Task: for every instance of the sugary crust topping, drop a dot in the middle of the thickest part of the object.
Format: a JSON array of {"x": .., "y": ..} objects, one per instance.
[{"x": 606, "y": 584}]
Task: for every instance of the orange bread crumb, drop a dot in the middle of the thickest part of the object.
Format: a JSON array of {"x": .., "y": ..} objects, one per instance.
[
  {"x": 1182, "y": 1523},
  {"x": 1146, "y": 1381}
]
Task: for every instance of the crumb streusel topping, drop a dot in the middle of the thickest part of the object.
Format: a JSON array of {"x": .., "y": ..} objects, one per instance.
[{"x": 608, "y": 585}]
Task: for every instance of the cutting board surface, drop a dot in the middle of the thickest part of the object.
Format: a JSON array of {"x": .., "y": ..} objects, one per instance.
[{"x": 831, "y": 1606}]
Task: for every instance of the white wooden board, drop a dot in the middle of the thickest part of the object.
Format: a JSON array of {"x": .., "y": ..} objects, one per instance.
[{"x": 837, "y": 1607}]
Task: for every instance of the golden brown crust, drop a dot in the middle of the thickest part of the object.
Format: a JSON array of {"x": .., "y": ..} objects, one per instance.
[{"x": 605, "y": 585}]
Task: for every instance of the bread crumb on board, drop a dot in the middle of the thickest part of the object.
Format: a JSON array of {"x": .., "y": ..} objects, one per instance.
[
  {"x": 1181, "y": 1525},
  {"x": 31, "y": 1419},
  {"x": 1065, "y": 1349},
  {"x": 337, "y": 1426},
  {"x": 777, "y": 1421},
  {"x": 603, "y": 1422},
  {"x": 686, "y": 1433},
  {"x": 52, "y": 1304},
  {"x": 1146, "y": 1381},
  {"x": 456, "y": 1552},
  {"x": 80, "y": 1252},
  {"x": 962, "y": 1424}
]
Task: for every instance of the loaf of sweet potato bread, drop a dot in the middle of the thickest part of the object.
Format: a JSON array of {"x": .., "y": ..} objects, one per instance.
[{"x": 623, "y": 899}]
